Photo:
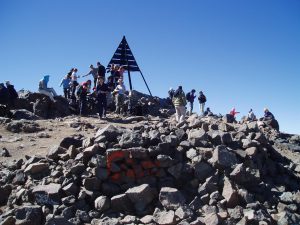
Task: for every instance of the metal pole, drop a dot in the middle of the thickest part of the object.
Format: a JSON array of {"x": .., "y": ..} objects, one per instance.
[
  {"x": 146, "y": 83},
  {"x": 128, "y": 68}
]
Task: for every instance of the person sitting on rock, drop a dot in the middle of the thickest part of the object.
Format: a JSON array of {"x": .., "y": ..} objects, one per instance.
[
  {"x": 233, "y": 112},
  {"x": 119, "y": 93},
  {"x": 12, "y": 94},
  {"x": 179, "y": 101},
  {"x": 251, "y": 116},
  {"x": 207, "y": 112},
  {"x": 65, "y": 82},
  {"x": 268, "y": 115},
  {"x": 43, "y": 89},
  {"x": 3, "y": 94}
]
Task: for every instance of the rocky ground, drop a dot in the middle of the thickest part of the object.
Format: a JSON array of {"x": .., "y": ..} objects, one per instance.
[{"x": 147, "y": 170}]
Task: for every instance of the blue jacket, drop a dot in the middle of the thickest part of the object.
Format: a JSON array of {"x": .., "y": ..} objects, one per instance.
[{"x": 65, "y": 82}]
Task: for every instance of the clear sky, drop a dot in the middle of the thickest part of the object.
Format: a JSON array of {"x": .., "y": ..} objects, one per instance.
[{"x": 243, "y": 54}]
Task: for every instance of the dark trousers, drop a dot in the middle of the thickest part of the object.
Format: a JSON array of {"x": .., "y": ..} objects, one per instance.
[
  {"x": 102, "y": 106},
  {"x": 74, "y": 85},
  {"x": 82, "y": 105},
  {"x": 67, "y": 92}
]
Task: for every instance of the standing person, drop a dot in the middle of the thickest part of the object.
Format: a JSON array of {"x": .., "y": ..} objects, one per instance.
[
  {"x": 120, "y": 96},
  {"x": 202, "y": 100},
  {"x": 190, "y": 96},
  {"x": 65, "y": 82},
  {"x": 3, "y": 94},
  {"x": 43, "y": 88},
  {"x": 94, "y": 73},
  {"x": 12, "y": 94},
  {"x": 74, "y": 82},
  {"x": 81, "y": 93},
  {"x": 101, "y": 70},
  {"x": 101, "y": 91},
  {"x": 179, "y": 101}
]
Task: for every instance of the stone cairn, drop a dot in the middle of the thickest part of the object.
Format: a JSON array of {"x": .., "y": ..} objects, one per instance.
[{"x": 203, "y": 171}]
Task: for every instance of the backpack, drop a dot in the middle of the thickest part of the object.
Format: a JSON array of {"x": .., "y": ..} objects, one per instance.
[{"x": 188, "y": 96}]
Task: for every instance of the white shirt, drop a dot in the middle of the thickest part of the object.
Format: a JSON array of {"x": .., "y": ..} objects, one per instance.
[{"x": 74, "y": 76}]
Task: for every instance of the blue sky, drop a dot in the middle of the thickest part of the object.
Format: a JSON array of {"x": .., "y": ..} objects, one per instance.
[{"x": 243, "y": 54}]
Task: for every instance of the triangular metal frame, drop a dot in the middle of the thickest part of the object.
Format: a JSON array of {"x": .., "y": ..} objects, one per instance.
[{"x": 124, "y": 57}]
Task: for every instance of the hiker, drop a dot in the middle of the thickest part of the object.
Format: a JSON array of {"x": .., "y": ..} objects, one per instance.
[
  {"x": 101, "y": 91},
  {"x": 12, "y": 94},
  {"x": 202, "y": 100},
  {"x": 94, "y": 73},
  {"x": 190, "y": 96},
  {"x": 65, "y": 82},
  {"x": 120, "y": 96},
  {"x": 100, "y": 70},
  {"x": 121, "y": 71},
  {"x": 207, "y": 112},
  {"x": 74, "y": 82},
  {"x": 233, "y": 112},
  {"x": 82, "y": 91},
  {"x": 268, "y": 115},
  {"x": 251, "y": 116},
  {"x": 179, "y": 101},
  {"x": 171, "y": 94},
  {"x": 43, "y": 89},
  {"x": 3, "y": 94}
]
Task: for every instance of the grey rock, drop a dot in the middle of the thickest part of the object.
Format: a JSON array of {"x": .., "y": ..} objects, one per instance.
[
  {"x": 102, "y": 203},
  {"x": 230, "y": 194},
  {"x": 164, "y": 217},
  {"x": 36, "y": 168},
  {"x": 55, "y": 151},
  {"x": 47, "y": 194},
  {"x": 4, "y": 194},
  {"x": 222, "y": 158},
  {"x": 110, "y": 132},
  {"x": 203, "y": 170},
  {"x": 197, "y": 136},
  {"x": 58, "y": 220},
  {"x": 4, "y": 152},
  {"x": 171, "y": 198},
  {"x": 212, "y": 219},
  {"x": 141, "y": 195},
  {"x": 29, "y": 214}
]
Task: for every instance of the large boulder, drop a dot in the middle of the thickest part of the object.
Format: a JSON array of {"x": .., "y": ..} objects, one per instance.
[
  {"x": 171, "y": 198},
  {"x": 222, "y": 158}
]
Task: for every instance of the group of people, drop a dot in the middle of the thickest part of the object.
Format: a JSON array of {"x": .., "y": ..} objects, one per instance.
[
  {"x": 179, "y": 99},
  {"x": 8, "y": 94},
  {"x": 78, "y": 92}
]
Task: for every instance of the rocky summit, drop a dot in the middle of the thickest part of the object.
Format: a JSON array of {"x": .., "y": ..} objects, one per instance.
[{"x": 206, "y": 170}]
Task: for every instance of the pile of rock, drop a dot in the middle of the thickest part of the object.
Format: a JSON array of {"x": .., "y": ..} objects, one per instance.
[
  {"x": 36, "y": 105},
  {"x": 205, "y": 171}
]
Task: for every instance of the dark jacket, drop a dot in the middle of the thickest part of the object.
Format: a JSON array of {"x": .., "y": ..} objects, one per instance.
[
  {"x": 3, "y": 95},
  {"x": 269, "y": 115},
  {"x": 101, "y": 88},
  {"x": 190, "y": 97},
  {"x": 12, "y": 93},
  {"x": 202, "y": 98},
  {"x": 101, "y": 71}
]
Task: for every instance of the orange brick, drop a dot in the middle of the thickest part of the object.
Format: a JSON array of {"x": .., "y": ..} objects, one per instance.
[{"x": 148, "y": 164}]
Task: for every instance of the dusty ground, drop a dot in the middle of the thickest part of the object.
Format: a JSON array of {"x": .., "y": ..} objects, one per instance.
[{"x": 21, "y": 144}]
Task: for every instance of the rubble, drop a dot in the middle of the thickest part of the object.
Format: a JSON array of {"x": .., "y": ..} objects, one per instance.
[{"x": 209, "y": 170}]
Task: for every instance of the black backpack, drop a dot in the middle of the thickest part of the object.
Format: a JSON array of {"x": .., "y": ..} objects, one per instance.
[{"x": 188, "y": 96}]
